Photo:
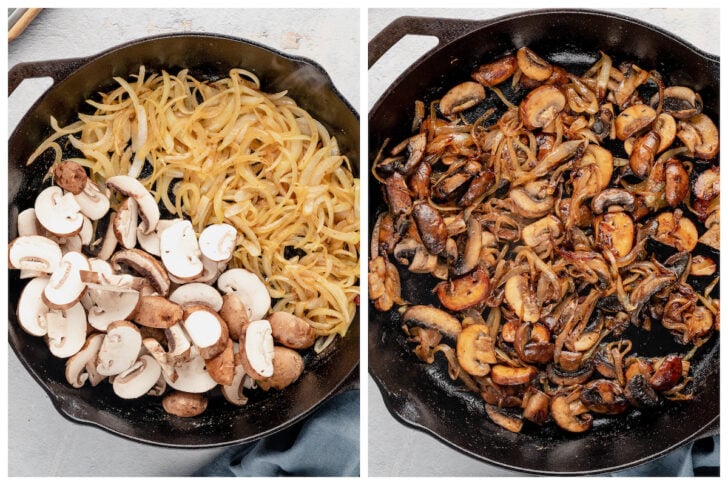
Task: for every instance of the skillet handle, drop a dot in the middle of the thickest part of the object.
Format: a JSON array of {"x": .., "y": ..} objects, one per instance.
[
  {"x": 57, "y": 70},
  {"x": 446, "y": 30}
]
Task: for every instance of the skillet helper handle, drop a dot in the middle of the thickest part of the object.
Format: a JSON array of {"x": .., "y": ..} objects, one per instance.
[
  {"x": 446, "y": 30},
  {"x": 58, "y": 70}
]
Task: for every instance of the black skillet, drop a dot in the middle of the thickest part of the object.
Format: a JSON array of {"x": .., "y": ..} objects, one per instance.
[
  {"x": 209, "y": 57},
  {"x": 423, "y": 396}
]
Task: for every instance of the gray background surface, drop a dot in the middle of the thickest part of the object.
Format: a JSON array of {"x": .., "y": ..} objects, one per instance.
[
  {"x": 41, "y": 442},
  {"x": 397, "y": 450}
]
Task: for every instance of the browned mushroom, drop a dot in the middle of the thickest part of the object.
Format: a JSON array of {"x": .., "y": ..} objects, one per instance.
[
  {"x": 506, "y": 421},
  {"x": 632, "y": 120},
  {"x": 505, "y": 375},
  {"x": 643, "y": 153},
  {"x": 430, "y": 225},
  {"x": 496, "y": 72},
  {"x": 432, "y": 317},
  {"x": 532, "y": 65},
  {"x": 541, "y": 106},
  {"x": 612, "y": 200},
  {"x": 666, "y": 127},
  {"x": 570, "y": 413},
  {"x": 464, "y": 292},
  {"x": 677, "y": 182},
  {"x": 604, "y": 396},
  {"x": 462, "y": 97},
  {"x": 679, "y": 101},
  {"x": 536, "y": 406},
  {"x": 667, "y": 373},
  {"x": 700, "y": 135},
  {"x": 615, "y": 231},
  {"x": 476, "y": 350}
]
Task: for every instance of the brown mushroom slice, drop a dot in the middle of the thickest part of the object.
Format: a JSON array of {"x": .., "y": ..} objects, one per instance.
[
  {"x": 565, "y": 377},
  {"x": 615, "y": 231},
  {"x": 521, "y": 299},
  {"x": 416, "y": 146},
  {"x": 666, "y": 128},
  {"x": 612, "y": 200},
  {"x": 640, "y": 394},
  {"x": 287, "y": 368},
  {"x": 432, "y": 317},
  {"x": 66, "y": 330},
  {"x": 496, "y": 72},
  {"x": 235, "y": 314},
  {"x": 462, "y": 97},
  {"x": 77, "y": 365},
  {"x": 476, "y": 350},
  {"x": 604, "y": 396},
  {"x": 505, "y": 375},
  {"x": 233, "y": 393},
  {"x": 125, "y": 223},
  {"x": 145, "y": 265},
  {"x": 707, "y": 184},
  {"x": 633, "y": 77},
  {"x": 633, "y": 119},
  {"x": 197, "y": 294},
  {"x": 506, "y": 421},
  {"x": 131, "y": 187},
  {"x": 643, "y": 153},
  {"x": 207, "y": 331},
  {"x": 217, "y": 241},
  {"x": 249, "y": 288},
  {"x": 570, "y": 414},
  {"x": 222, "y": 367},
  {"x": 532, "y": 65},
  {"x": 708, "y": 138},
  {"x": 185, "y": 404},
  {"x": 58, "y": 213},
  {"x": 679, "y": 101},
  {"x": 702, "y": 266},
  {"x": 138, "y": 379},
  {"x": 699, "y": 323},
  {"x": 65, "y": 286},
  {"x": 667, "y": 373},
  {"x": 677, "y": 182},
  {"x": 120, "y": 348},
  {"x": 291, "y": 331},
  {"x": 536, "y": 406},
  {"x": 465, "y": 291},
  {"x": 430, "y": 225},
  {"x": 541, "y": 106},
  {"x": 529, "y": 205},
  {"x": 158, "y": 312},
  {"x": 542, "y": 231},
  {"x": 530, "y": 347},
  {"x": 31, "y": 310},
  {"x": 676, "y": 231},
  {"x": 256, "y": 349}
]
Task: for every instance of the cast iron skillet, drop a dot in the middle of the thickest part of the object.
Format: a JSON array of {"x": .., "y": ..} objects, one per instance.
[
  {"x": 207, "y": 56},
  {"x": 423, "y": 396}
]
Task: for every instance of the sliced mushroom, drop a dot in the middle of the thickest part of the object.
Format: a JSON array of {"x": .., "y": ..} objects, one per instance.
[
  {"x": 28, "y": 224},
  {"x": 138, "y": 379},
  {"x": 470, "y": 256},
  {"x": 181, "y": 251},
  {"x": 530, "y": 205},
  {"x": 110, "y": 306},
  {"x": 191, "y": 375},
  {"x": 222, "y": 366},
  {"x": 217, "y": 242},
  {"x": 615, "y": 231},
  {"x": 235, "y": 314},
  {"x": 66, "y": 330},
  {"x": 643, "y": 153},
  {"x": 197, "y": 294},
  {"x": 505, "y": 375},
  {"x": 541, "y": 106},
  {"x": 415, "y": 151},
  {"x": 679, "y": 101},
  {"x": 633, "y": 119},
  {"x": 34, "y": 253},
  {"x": 707, "y": 185},
  {"x": 677, "y": 182},
  {"x": 667, "y": 374},
  {"x": 536, "y": 406},
  {"x": 291, "y": 331},
  {"x": 59, "y": 214},
  {"x": 702, "y": 266},
  {"x": 521, "y": 299},
  {"x": 287, "y": 368},
  {"x": 120, "y": 348},
  {"x": 233, "y": 393},
  {"x": 532, "y": 65},
  {"x": 94, "y": 204},
  {"x": 206, "y": 329},
  {"x": 496, "y": 72},
  {"x": 432, "y": 317},
  {"x": 640, "y": 394},
  {"x": 77, "y": 365},
  {"x": 676, "y": 231},
  {"x": 144, "y": 265},
  {"x": 158, "y": 312},
  {"x": 461, "y": 97},
  {"x": 131, "y": 187},
  {"x": 185, "y": 404},
  {"x": 464, "y": 292},
  {"x": 506, "y": 421},
  {"x": 150, "y": 242},
  {"x": 476, "y": 350},
  {"x": 65, "y": 286},
  {"x": 70, "y": 176},
  {"x": 666, "y": 127},
  {"x": 249, "y": 288},
  {"x": 431, "y": 226},
  {"x": 125, "y": 223},
  {"x": 256, "y": 349},
  {"x": 604, "y": 396},
  {"x": 32, "y": 311},
  {"x": 542, "y": 231},
  {"x": 570, "y": 414},
  {"x": 705, "y": 141}
]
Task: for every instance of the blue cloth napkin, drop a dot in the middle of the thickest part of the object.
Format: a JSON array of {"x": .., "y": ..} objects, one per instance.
[
  {"x": 699, "y": 458},
  {"x": 324, "y": 444}
]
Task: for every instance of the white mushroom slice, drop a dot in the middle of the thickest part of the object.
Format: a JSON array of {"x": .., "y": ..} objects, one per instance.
[
  {"x": 156, "y": 350},
  {"x": 259, "y": 348},
  {"x": 71, "y": 244},
  {"x": 131, "y": 187},
  {"x": 65, "y": 287},
  {"x": 125, "y": 223},
  {"x": 249, "y": 288},
  {"x": 139, "y": 379},
  {"x": 191, "y": 376},
  {"x": 76, "y": 366},
  {"x": 145, "y": 265},
  {"x": 109, "y": 243},
  {"x": 119, "y": 349},
  {"x": 87, "y": 231},
  {"x": 28, "y": 224},
  {"x": 234, "y": 392},
  {"x": 114, "y": 282},
  {"x": 210, "y": 272},
  {"x": 150, "y": 242},
  {"x": 58, "y": 213},
  {"x": 206, "y": 329},
  {"x": 66, "y": 330},
  {"x": 34, "y": 253},
  {"x": 112, "y": 306},
  {"x": 180, "y": 347},
  {"x": 181, "y": 251},
  {"x": 94, "y": 204},
  {"x": 31, "y": 309},
  {"x": 217, "y": 241},
  {"x": 26, "y": 274},
  {"x": 197, "y": 294},
  {"x": 159, "y": 387}
]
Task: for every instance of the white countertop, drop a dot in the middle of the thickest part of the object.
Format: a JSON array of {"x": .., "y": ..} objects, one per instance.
[
  {"x": 42, "y": 442},
  {"x": 397, "y": 450}
]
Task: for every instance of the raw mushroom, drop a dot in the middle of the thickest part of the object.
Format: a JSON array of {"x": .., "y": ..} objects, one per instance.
[
  {"x": 256, "y": 349},
  {"x": 287, "y": 368},
  {"x": 31, "y": 310},
  {"x": 34, "y": 253},
  {"x": 111, "y": 306},
  {"x": 28, "y": 224},
  {"x": 185, "y": 404},
  {"x": 131, "y": 187},
  {"x": 222, "y": 367},
  {"x": 217, "y": 242},
  {"x": 235, "y": 314},
  {"x": 191, "y": 375},
  {"x": 158, "y": 312},
  {"x": 138, "y": 379},
  {"x": 234, "y": 392},
  {"x": 181, "y": 251},
  {"x": 145, "y": 265},
  {"x": 77, "y": 366},
  {"x": 291, "y": 331},
  {"x": 197, "y": 294},
  {"x": 65, "y": 287},
  {"x": 94, "y": 204},
  {"x": 208, "y": 332},
  {"x": 70, "y": 176},
  {"x": 59, "y": 214},
  {"x": 120, "y": 348},
  {"x": 249, "y": 288},
  {"x": 66, "y": 330},
  {"x": 125, "y": 223},
  {"x": 150, "y": 242}
]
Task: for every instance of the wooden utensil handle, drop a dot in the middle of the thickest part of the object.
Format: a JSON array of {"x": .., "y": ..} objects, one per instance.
[{"x": 22, "y": 23}]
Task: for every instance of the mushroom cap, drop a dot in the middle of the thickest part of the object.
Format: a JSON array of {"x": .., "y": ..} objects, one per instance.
[
  {"x": 249, "y": 288},
  {"x": 138, "y": 379},
  {"x": 131, "y": 187},
  {"x": 217, "y": 241},
  {"x": 287, "y": 368},
  {"x": 181, "y": 251},
  {"x": 32, "y": 310},
  {"x": 34, "y": 253},
  {"x": 291, "y": 331},
  {"x": 206, "y": 329},
  {"x": 66, "y": 330},
  {"x": 185, "y": 404},
  {"x": 541, "y": 106},
  {"x": 57, "y": 212},
  {"x": 158, "y": 312},
  {"x": 120, "y": 348},
  {"x": 461, "y": 97},
  {"x": 65, "y": 286},
  {"x": 70, "y": 176}
]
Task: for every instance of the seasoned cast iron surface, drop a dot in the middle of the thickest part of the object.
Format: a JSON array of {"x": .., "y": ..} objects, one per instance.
[
  {"x": 423, "y": 396},
  {"x": 207, "y": 57}
]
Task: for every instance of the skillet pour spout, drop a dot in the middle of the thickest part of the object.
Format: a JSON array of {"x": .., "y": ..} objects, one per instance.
[{"x": 435, "y": 404}]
